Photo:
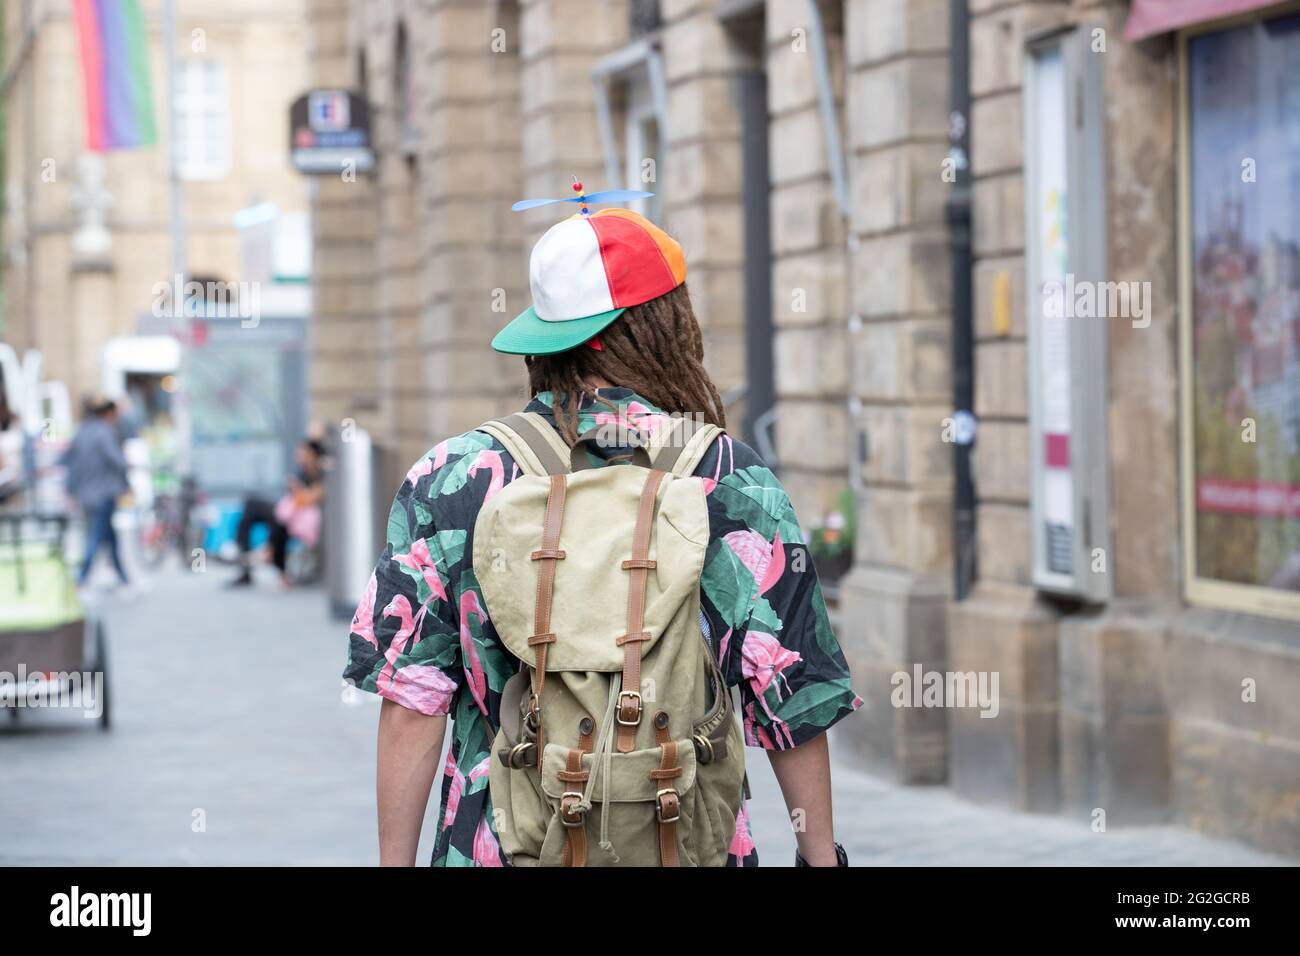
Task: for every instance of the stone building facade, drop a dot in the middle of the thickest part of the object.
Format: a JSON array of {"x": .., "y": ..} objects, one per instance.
[
  {"x": 799, "y": 151},
  {"x": 68, "y": 292},
  {"x": 1142, "y": 705}
]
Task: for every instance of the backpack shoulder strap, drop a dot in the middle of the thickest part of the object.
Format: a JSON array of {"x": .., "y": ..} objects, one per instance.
[
  {"x": 679, "y": 447},
  {"x": 531, "y": 442}
]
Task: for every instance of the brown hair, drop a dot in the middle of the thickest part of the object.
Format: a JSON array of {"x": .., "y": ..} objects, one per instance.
[{"x": 656, "y": 349}]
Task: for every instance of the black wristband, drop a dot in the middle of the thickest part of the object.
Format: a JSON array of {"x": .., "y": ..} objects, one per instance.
[{"x": 841, "y": 858}]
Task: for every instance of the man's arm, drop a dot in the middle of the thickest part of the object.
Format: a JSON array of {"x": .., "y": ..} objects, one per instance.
[
  {"x": 804, "y": 774},
  {"x": 410, "y": 744}
]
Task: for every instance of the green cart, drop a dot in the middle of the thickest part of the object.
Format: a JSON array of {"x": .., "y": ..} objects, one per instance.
[{"x": 50, "y": 654}]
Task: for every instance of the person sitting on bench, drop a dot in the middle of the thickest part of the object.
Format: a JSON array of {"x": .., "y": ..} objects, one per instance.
[{"x": 295, "y": 515}]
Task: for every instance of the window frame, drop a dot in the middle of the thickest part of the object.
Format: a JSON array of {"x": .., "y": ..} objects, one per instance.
[
  {"x": 1197, "y": 590},
  {"x": 639, "y": 113},
  {"x": 191, "y": 104},
  {"x": 638, "y": 62}
]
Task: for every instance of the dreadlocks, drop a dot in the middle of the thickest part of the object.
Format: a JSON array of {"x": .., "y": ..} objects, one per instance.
[{"x": 656, "y": 349}]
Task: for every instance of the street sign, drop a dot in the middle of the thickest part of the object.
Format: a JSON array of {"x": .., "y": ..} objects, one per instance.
[{"x": 329, "y": 133}]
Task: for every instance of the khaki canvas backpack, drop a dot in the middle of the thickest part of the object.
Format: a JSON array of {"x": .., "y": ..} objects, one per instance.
[{"x": 618, "y": 745}]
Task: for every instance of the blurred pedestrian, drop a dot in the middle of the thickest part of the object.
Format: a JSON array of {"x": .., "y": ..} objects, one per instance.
[
  {"x": 295, "y": 515},
  {"x": 96, "y": 470}
]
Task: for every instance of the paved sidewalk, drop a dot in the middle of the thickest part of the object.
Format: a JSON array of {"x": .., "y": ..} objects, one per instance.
[{"x": 228, "y": 709}]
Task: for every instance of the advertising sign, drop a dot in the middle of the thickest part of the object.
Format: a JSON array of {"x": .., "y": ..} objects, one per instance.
[{"x": 329, "y": 133}]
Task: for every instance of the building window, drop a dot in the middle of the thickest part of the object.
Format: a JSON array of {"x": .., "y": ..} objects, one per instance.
[
  {"x": 631, "y": 102},
  {"x": 642, "y": 150},
  {"x": 202, "y": 135},
  {"x": 1240, "y": 272}
]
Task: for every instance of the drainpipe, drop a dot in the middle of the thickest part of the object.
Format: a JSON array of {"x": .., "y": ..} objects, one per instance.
[
  {"x": 756, "y": 190},
  {"x": 826, "y": 102},
  {"x": 958, "y": 214},
  {"x": 838, "y": 166}
]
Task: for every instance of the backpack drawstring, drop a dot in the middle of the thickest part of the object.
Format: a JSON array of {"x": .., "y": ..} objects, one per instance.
[{"x": 603, "y": 752}]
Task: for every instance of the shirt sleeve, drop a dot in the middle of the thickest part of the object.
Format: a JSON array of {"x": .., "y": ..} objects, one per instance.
[
  {"x": 405, "y": 636},
  {"x": 111, "y": 448},
  {"x": 761, "y": 587}
]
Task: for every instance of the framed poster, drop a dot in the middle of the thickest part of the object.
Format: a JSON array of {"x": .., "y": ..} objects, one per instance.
[
  {"x": 1240, "y": 313},
  {"x": 1065, "y": 250}
]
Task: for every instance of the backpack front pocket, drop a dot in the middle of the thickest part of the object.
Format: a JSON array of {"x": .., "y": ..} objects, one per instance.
[{"x": 631, "y": 809}]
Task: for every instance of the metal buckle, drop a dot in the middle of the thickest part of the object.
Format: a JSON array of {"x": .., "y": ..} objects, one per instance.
[
  {"x": 634, "y": 695},
  {"x": 703, "y": 747},
  {"x": 532, "y": 715},
  {"x": 659, "y": 806},
  {"x": 516, "y": 755},
  {"x": 565, "y": 808}
]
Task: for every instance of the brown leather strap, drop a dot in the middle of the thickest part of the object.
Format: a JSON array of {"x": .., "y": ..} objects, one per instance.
[
  {"x": 575, "y": 822},
  {"x": 575, "y": 843},
  {"x": 548, "y": 554},
  {"x": 667, "y": 803},
  {"x": 629, "y": 698}
]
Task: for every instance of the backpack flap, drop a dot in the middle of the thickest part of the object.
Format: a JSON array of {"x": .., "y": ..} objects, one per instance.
[{"x": 590, "y": 593}]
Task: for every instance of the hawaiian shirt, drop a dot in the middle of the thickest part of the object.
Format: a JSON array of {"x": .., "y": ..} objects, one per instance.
[{"x": 422, "y": 638}]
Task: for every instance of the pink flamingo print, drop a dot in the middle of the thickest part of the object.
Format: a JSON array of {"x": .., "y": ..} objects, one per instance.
[
  {"x": 763, "y": 658},
  {"x": 469, "y": 606},
  {"x": 422, "y": 687},
  {"x": 634, "y": 415},
  {"x": 491, "y": 460},
  {"x": 420, "y": 559},
  {"x": 486, "y": 852},
  {"x": 755, "y": 736},
  {"x": 481, "y": 769},
  {"x": 363, "y": 621},
  {"x": 454, "y": 791},
  {"x": 765, "y": 561},
  {"x": 400, "y": 608},
  {"x": 421, "y": 468},
  {"x": 742, "y": 843}
]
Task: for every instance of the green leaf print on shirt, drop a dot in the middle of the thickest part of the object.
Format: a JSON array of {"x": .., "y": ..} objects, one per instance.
[{"x": 728, "y": 583}]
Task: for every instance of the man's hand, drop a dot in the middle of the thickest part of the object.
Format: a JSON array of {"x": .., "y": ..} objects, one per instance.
[
  {"x": 804, "y": 774},
  {"x": 409, "y": 747}
]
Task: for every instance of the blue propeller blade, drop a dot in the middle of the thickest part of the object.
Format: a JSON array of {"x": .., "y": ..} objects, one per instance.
[
  {"x": 534, "y": 203},
  {"x": 619, "y": 195},
  {"x": 609, "y": 195}
]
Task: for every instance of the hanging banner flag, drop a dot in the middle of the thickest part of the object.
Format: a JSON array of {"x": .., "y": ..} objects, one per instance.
[{"x": 115, "y": 70}]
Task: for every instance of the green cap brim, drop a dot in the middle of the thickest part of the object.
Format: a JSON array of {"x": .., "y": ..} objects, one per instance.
[{"x": 529, "y": 335}]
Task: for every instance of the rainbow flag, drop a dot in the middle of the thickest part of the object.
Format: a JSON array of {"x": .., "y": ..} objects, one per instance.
[{"x": 115, "y": 68}]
